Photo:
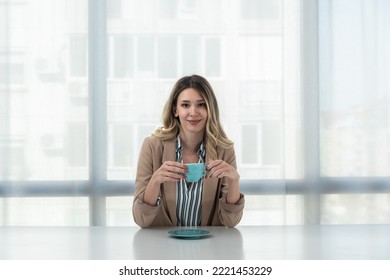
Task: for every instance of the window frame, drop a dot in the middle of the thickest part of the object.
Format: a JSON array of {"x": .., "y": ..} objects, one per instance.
[{"x": 97, "y": 188}]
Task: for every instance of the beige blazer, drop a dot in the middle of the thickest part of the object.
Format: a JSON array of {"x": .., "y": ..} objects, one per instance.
[{"x": 215, "y": 210}]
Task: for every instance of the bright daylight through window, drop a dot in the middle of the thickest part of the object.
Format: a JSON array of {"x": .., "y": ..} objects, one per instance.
[{"x": 82, "y": 83}]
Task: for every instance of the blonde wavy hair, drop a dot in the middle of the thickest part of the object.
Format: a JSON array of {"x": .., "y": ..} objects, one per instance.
[{"x": 214, "y": 136}]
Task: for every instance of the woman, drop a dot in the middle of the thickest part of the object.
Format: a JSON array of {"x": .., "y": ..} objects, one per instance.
[{"x": 191, "y": 133}]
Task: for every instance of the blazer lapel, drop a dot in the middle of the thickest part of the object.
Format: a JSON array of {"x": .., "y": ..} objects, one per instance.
[
  {"x": 208, "y": 199},
  {"x": 169, "y": 154}
]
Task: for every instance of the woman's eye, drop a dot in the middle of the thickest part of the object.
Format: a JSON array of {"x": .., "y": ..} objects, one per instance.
[
  {"x": 184, "y": 105},
  {"x": 202, "y": 105}
]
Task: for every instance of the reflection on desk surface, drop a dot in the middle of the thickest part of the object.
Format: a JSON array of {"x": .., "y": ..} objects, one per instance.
[
  {"x": 221, "y": 243},
  {"x": 307, "y": 242}
]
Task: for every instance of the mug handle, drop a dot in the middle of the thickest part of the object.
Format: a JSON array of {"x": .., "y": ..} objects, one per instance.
[{"x": 205, "y": 170}]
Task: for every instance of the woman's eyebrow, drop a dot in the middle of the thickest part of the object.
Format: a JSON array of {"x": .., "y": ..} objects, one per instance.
[{"x": 198, "y": 101}]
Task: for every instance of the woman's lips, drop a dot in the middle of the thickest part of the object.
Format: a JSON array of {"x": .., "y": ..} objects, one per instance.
[{"x": 194, "y": 122}]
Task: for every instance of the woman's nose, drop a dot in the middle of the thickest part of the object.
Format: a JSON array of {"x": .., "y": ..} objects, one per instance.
[{"x": 193, "y": 110}]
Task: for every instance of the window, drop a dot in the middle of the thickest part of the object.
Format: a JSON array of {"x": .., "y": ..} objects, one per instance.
[
  {"x": 123, "y": 60},
  {"x": 146, "y": 56},
  {"x": 167, "y": 58},
  {"x": 302, "y": 88},
  {"x": 260, "y": 9},
  {"x": 191, "y": 54},
  {"x": 78, "y": 55}
]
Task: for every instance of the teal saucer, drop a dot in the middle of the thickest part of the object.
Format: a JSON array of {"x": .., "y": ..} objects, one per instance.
[{"x": 188, "y": 233}]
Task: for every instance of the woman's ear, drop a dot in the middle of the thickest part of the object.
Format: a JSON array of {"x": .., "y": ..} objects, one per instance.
[{"x": 175, "y": 112}]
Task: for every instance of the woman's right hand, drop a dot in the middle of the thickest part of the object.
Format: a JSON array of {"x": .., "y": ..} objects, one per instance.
[{"x": 170, "y": 171}]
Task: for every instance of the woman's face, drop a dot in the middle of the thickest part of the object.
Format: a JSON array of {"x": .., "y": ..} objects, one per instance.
[{"x": 191, "y": 109}]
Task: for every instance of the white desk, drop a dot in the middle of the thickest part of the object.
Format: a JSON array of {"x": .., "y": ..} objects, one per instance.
[{"x": 257, "y": 242}]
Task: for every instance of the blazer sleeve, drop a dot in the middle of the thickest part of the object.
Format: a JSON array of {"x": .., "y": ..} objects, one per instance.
[
  {"x": 230, "y": 214},
  {"x": 143, "y": 213}
]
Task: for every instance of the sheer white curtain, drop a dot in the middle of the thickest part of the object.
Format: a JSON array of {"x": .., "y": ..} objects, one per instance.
[
  {"x": 43, "y": 112},
  {"x": 248, "y": 50},
  {"x": 301, "y": 86},
  {"x": 354, "y": 92}
]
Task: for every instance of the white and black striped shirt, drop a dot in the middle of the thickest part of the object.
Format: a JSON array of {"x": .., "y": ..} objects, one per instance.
[{"x": 189, "y": 197}]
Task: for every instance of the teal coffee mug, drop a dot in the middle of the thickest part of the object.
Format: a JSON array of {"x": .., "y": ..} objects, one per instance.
[{"x": 195, "y": 172}]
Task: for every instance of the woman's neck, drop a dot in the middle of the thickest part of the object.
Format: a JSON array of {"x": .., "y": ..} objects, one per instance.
[{"x": 191, "y": 142}]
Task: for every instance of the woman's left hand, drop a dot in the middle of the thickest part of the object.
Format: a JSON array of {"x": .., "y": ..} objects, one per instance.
[{"x": 219, "y": 169}]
